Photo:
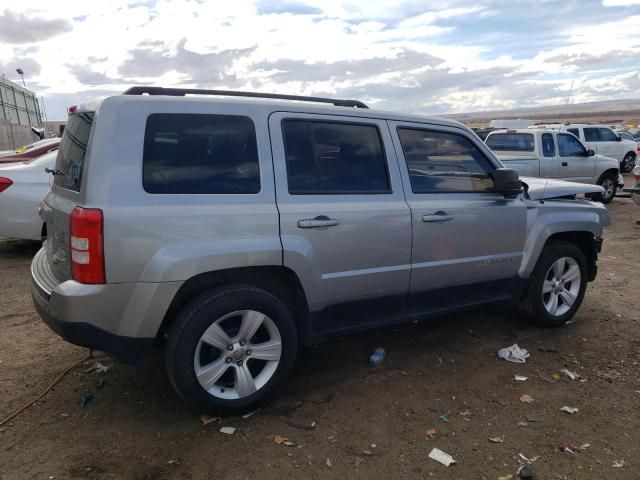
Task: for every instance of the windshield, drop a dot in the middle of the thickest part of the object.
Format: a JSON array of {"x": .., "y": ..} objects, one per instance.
[{"x": 519, "y": 142}]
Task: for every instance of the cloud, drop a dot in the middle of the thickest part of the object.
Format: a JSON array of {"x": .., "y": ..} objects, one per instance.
[
  {"x": 20, "y": 28},
  {"x": 87, "y": 76},
  {"x": 29, "y": 65},
  {"x": 286, "y": 70},
  {"x": 266, "y": 7},
  {"x": 197, "y": 67},
  {"x": 586, "y": 59}
]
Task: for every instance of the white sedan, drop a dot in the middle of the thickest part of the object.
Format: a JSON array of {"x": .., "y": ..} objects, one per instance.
[{"x": 22, "y": 187}]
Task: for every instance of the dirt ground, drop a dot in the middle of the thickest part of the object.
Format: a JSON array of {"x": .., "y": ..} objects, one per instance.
[{"x": 370, "y": 423}]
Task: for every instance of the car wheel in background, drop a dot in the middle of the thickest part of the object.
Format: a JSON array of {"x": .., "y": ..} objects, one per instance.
[
  {"x": 628, "y": 162},
  {"x": 230, "y": 349},
  {"x": 610, "y": 184},
  {"x": 557, "y": 285}
]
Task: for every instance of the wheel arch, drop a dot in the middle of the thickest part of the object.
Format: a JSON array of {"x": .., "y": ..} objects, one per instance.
[
  {"x": 277, "y": 280},
  {"x": 609, "y": 172},
  {"x": 586, "y": 242}
]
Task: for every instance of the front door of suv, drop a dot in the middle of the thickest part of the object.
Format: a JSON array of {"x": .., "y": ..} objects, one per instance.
[
  {"x": 468, "y": 241},
  {"x": 344, "y": 222}
]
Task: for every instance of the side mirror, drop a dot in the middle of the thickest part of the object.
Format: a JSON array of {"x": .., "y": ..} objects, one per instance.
[
  {"x": 590, "y": 153},
  {"x": 507, "y": 181},
  {"x": 618, "y": 138}
]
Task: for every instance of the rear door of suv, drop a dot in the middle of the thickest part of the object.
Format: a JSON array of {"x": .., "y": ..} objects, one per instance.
[
  {"x": 344, "y": 222},
  {"x": 468, "y": 240}
]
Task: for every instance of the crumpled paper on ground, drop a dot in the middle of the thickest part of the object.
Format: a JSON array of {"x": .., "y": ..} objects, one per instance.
[{"x": 514, "y": 354}]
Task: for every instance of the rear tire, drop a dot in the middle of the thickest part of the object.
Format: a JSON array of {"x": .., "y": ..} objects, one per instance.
[
  {"x": 610, "y": 184},
  {"x": 557, "y": 285},
  {"x": 628, "y": 162},
  {"x": 230, "y": 349}
]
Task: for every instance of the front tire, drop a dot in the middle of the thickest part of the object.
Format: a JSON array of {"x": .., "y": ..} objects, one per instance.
[
  {"x": 557, "y": 285},
  {"x": 628, "y": 162},
  {"x": 230, "y": 349},
  {"x": 610, "y": 184}
]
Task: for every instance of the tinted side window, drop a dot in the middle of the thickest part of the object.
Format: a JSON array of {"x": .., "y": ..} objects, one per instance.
[
  {"x": 196, "y": 153},
  {"x": 607, "y": 135},
  {"x": 72, "y": 149},
  {"x": 520, "y": 142},
  {"x": 570, "y": 146},
  {"x": 334, "y": 158},
  {"x": 444, "y": 162},
  {"x": 548, "y": 147},
  {"x": 591, "y": 135},
  {"x": 574, "y": 131}
]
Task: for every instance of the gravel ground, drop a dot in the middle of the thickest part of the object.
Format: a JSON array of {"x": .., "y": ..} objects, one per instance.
[{"x": 441, "y": 386}]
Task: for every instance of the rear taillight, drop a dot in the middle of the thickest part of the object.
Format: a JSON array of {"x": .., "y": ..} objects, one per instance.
[
  {"x": 5, "y": 183},
  {"x": 86, "y": 245}
]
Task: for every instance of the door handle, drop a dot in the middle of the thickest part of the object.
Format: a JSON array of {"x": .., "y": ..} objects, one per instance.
[
  {"x": 318, "y": 222},
  {"x": 437, "y": 217},
  {"x": 564, "y": 164}
]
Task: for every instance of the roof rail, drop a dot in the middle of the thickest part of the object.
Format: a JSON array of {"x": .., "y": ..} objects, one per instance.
[{"x": 180, "y": 92}]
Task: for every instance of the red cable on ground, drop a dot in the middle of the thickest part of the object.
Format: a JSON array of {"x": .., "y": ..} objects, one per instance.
[{"x": 55, "y": 382}]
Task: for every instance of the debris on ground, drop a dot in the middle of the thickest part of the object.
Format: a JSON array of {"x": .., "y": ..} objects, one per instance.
[
  {"x": 572, "y": 375},
  {"x": 444, "y": 418},
  {"x": 441, "y": 457},
  {"x": 546, "y": 378},
  {"x": 280, "y": 440},
  {"x": 206, "y": 419},
  {"x": 568, "y": 449},
  {"x": 100, "y": 368},
  {"x": 247, "y": 415},
  {"x": 555, "y": 376},
  {"x": 514, "y": 354},
  {"x": 618, "y": 463},
  {"x": 526, "y": 398},
  {"x": 85, "y": 398},
  {"x": 328, "y": 463},
  {"x": 377, "y": 357},
  {"x": 431, "y": 432},
  {"x": 520, "y": 378},
  {"x": 523, "y": 424},
  {"x": 228, "y": 430},
  {"x": 534, "y": 417},
  {"x": 173, "y": 462},
  {"x": 525, "y": 472},
  {"x": 571, "y": 410},
  {"x": 506, "y": 477},
  {"x": 497, "y": 439},
  {"x": 528, "y": 460},
  {"x": 301, "y": 424}
]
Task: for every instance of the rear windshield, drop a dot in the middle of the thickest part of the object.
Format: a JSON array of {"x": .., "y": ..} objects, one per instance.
[
  {"x": 70, "y": 159},
  {"x": 519, "y": 142}
]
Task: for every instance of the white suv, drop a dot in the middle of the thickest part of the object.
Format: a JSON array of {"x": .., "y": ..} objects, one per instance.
[{"x": 602, "y": 140}]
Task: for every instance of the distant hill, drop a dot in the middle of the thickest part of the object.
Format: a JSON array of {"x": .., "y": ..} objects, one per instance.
[{"x": 612, "y": 112}]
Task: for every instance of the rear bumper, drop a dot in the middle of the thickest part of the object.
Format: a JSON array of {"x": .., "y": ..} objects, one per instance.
[
  {"x": 121, "y": 319},
  {"x": 128, "y": 350}
]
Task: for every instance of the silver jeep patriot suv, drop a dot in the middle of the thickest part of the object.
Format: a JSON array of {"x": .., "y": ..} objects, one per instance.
[{"x": 231, "y": 227}]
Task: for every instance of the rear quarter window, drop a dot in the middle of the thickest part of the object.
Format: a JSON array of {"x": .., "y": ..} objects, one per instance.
[
  {"x": 73, "y": 147},
  {"x": 200, "y": 154},
  {"x": 518, "y": 142}
]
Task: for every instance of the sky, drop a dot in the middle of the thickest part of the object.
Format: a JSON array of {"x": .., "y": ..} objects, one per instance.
[{"x": 436, "y": 57}]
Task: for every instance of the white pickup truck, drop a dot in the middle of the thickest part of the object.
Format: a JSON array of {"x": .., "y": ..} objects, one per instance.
[{"x": 552, "y": 154}]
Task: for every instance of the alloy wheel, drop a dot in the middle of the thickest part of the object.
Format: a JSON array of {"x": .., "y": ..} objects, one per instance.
[
  {"x": 237, "y": 354},
  {"x": 561, "y": 286}
]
